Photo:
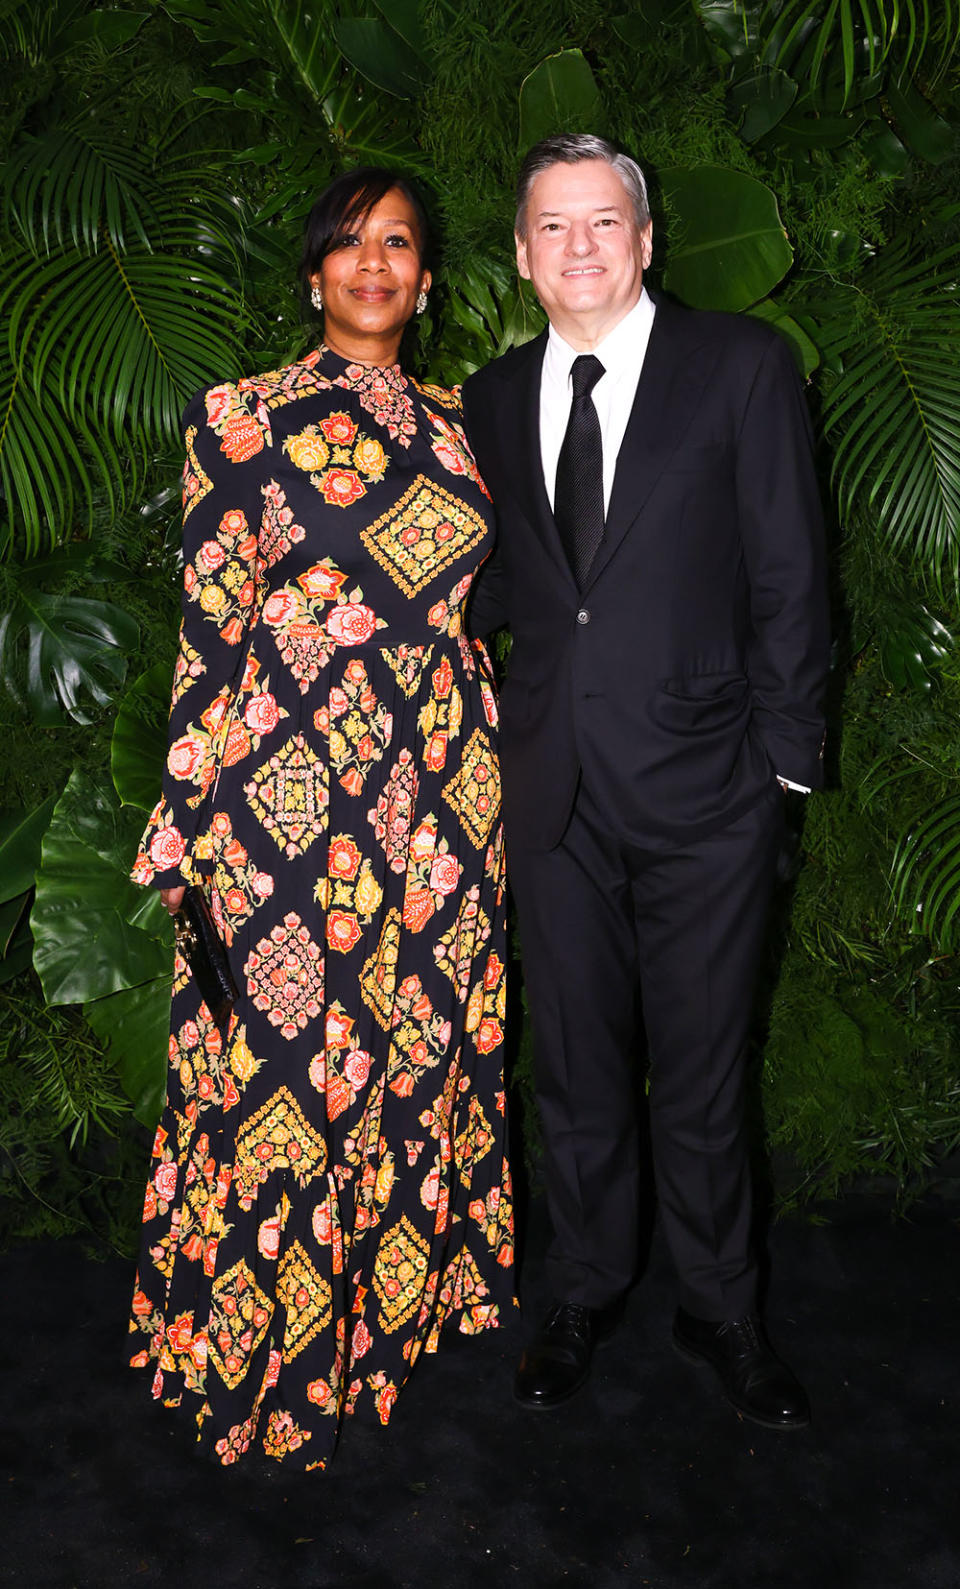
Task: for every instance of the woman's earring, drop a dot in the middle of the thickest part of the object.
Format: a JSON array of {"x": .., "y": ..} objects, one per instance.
[
  {"x": 421, "y": 302},
  {"x": 316, "y": 297}
]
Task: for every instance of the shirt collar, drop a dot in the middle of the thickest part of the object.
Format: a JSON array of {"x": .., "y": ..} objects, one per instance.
[{"x": 622, "y": 349}]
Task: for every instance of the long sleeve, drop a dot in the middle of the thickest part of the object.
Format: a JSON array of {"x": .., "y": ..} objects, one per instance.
[
  {"x": 221, "y": 511},
  {"x": 486, "y": 609},
  {"x": 781, "y": 528}
]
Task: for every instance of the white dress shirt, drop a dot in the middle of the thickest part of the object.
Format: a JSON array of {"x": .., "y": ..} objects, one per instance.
[{"x": 621, "y": 353}]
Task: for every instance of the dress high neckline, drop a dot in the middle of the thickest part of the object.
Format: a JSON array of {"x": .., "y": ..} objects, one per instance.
[{"x": 355, "y": 372}]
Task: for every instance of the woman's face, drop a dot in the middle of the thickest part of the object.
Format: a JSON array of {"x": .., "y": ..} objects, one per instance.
[{"x": 370, "y": 280}]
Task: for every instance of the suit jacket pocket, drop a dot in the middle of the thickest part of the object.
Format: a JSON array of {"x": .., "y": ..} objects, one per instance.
[
  {"x": 704, "y": 686},
  {"x": 702, "y": 704}
]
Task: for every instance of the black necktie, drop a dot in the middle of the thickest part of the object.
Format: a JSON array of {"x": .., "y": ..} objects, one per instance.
[{"x": 578, "y": 495}]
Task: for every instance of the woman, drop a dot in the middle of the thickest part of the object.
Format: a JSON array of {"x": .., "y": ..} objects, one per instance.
[{"x": 329, "y": 1186}]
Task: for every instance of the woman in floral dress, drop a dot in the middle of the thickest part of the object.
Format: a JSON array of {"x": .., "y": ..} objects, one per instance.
[{"x": 329, "y": 1187}]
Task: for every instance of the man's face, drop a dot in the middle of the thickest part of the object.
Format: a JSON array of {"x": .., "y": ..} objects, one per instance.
[{"x": 583, "y": 251}]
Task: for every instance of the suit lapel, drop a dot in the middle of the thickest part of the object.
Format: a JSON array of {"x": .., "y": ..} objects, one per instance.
[
  {"x": 520, "y": 438},
  {"x": 675, "y": 372}
]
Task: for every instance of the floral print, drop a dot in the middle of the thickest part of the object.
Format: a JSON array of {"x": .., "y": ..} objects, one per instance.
[{"x": 328, "y": 1188}]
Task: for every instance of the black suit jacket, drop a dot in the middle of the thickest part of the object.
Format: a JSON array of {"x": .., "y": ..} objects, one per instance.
[{"x": 690, "y": 669}]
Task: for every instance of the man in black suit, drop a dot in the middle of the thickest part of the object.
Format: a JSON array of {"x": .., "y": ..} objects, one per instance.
[{"x": 660, "y": 564}]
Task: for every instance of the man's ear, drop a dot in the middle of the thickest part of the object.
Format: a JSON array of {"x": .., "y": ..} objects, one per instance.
[{"x": 522, "y": 266}]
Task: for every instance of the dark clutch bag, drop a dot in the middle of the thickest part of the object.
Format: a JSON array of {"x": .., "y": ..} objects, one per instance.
[{"x": 202, "y": 948}]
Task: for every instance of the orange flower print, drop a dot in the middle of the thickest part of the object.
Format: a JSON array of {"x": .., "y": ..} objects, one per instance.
[
  {"x": 343, "y": 857},
  {"x": 237, "y": 745},
  {"x": 418, "y": 907},
  {"x": 339, "y": 1096},
  {"x": 322, "y": 582},
  {"x": 343, "y": 931},
  {"x": 341, "y": 487},
  {"x": 489, "y": 1035},
  {"x": 241, "y": 438},
  {"x": 339, "y": 1026},
  {"x": 339, "y": 429},
  {"x": 436, "y": 756}
]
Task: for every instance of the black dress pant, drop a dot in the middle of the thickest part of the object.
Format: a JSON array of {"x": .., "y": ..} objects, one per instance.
[{"x": 597, "y": 916}]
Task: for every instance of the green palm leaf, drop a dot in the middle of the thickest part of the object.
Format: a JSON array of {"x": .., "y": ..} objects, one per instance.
[
  {"x": 925, "y": 874},
  {"x": 70, "y": 184},
  {"x": 126, "y": 338},
  {"x": 51, "y": 471},
  {"x": 893, "y": 413},
  {"x": 906, "y": 29}
]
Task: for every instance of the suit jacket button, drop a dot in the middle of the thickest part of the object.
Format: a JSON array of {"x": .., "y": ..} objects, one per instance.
[{"x": 583, "y": 616}]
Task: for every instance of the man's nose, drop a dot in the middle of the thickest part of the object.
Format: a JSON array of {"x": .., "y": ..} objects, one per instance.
[{"x": 580, "y": 239}]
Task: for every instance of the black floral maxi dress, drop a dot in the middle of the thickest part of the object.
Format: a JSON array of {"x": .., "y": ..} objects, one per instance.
[{"x": 329, "y": 1185}]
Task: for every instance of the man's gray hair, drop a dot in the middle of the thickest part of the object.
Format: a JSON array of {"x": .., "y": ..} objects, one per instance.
[{"x": 566, "y": 148}]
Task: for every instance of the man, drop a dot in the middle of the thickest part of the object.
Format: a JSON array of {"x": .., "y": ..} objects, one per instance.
[{"x": 660, "y": 564}]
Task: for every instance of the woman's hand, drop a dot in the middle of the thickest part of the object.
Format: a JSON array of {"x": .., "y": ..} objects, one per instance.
[{"x": 173, "y": 898}]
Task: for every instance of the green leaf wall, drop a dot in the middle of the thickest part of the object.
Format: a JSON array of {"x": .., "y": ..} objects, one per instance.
[{"x": 158, "y": 167}]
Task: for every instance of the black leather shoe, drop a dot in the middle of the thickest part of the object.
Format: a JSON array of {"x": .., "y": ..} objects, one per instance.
[
  {"x": 754, "y": 1380},
  {"x": 557, "y": 1361}
]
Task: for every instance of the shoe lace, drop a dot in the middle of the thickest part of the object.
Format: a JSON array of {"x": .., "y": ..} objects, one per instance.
[
  {"x": 571, "y": 1316},
  {"x": 743, "y": 1334}
]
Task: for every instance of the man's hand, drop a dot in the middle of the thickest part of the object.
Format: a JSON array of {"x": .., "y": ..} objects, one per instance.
[{"x": 173, "y": 898}]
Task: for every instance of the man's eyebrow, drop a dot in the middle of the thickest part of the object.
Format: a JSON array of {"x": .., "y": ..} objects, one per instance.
[{"x": 601, "y": 209}]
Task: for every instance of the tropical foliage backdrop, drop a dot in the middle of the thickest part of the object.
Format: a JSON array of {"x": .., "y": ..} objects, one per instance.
[{"x": 159, "y": 160}]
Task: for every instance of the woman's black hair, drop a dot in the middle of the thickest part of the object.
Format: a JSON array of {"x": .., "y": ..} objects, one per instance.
[{"x": 346, "y": 200}]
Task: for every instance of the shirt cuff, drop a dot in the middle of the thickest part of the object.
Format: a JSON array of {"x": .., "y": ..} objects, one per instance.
[{"x": 798, "y": 788}]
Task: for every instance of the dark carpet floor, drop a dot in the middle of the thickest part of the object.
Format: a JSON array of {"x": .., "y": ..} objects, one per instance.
[{"x": 646, "y": 1478}]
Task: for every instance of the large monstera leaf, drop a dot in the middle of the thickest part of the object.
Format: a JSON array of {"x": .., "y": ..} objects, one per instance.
[
  {"x": 390, "y": 50},
  {"x": 487, "y": 312},
  {"x": 21, "y": 833},
  {"x": 62, "y": 655},
  {"x": 728, "y": 248},
  {"x": 560, "y": 95},
  {"x": 893, "y": 413},
  {"x": 95, "y": 932},
  {"x": 133, "y": 1026},
  {"x": 139, "y": 741}
]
